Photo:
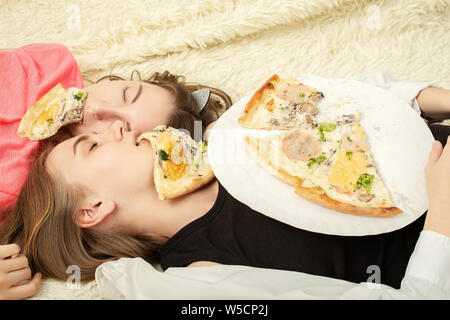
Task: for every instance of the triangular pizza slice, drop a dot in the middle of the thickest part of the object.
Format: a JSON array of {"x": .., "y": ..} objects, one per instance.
[
  {"x": 55, "y": 109},
  {"x": 349, "y": 182},
  {"x": 281, "y": 104},
  {"x": 180, "y": 164},
  {"x": 329, "y": 165}
]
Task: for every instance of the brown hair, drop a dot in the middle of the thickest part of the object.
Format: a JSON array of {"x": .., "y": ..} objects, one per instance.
[
  {"x": 187, "y": 110},
  {"x": 41, "y": 221}
]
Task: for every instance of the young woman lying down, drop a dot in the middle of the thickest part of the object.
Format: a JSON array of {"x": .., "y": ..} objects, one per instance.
[{"x": 90, "y": 198}]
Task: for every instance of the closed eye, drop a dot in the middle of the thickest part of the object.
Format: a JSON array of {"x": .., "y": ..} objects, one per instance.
[
  {"x": 124, "y": 94},
  {"x": 95, "y": 144}
]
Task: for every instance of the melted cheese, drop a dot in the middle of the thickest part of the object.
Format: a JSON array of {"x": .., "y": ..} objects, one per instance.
[
  {"x": 276, "y": 111},
  {"x": 42, "y": 123},
  {"x": 359, "y": 132},
  {"x": 171, "y": 170},
  {"x": 345, "y": 172},
  {"x": 320, "y": 177}
]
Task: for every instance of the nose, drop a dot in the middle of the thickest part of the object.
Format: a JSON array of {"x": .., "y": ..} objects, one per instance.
[{"x": 116, "y": 130}]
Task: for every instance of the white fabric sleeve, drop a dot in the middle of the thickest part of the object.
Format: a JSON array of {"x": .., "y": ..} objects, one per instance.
[
  {"x": 428, "y": 272},
  {"x": 404, "y": 89},
  {"x": 426, "y": 277}
]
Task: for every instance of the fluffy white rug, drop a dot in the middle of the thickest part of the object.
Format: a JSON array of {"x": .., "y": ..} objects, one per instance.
[{"x": 236, "y": 45}]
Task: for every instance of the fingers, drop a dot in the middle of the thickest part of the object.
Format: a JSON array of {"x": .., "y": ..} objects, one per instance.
[
  {"x": 435, "y": 153},
  {"x": 14, "y": 271},
  {"x": 9, "y": 250},
  {"x": 14, "y": 264},
  {"x": 18, "y": 276},
  {"x": 25, "y": 290},
  {"x": 446, "y": 151}
]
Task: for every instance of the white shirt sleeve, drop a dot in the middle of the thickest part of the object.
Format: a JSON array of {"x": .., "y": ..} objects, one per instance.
[
  {"x": 403, "y": 89},
  {"x": 426, "y": 277}
]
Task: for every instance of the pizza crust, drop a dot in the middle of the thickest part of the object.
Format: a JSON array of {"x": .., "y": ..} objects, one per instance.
[
  {"x": 319, "y": 197},
  {"x": 258, "y": 98},
  {"x": 253, "y": 149},
  {"x": 173, "y": 191}
]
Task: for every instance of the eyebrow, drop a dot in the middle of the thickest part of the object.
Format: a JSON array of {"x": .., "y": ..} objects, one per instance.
[
  {"x": 123, "y": 93},
  {"x": 75, "y": 144},
  {"x": 138, "y": 93}
]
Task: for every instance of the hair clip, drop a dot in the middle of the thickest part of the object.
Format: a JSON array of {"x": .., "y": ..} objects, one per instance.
[{"x": 201, "y": 96}]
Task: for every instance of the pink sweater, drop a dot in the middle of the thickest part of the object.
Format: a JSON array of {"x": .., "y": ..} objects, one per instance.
[{"x": 27, "y": 73}]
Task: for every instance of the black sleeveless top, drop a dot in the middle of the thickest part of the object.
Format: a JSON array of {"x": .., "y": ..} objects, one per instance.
[{"x": 234, "y": 234}]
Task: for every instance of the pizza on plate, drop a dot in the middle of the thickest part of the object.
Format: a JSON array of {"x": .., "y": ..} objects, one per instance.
[
  {"x": 328, "y": 163},
  {"x": 180, "y": 163},
  {"x": 282, "y": 104}
]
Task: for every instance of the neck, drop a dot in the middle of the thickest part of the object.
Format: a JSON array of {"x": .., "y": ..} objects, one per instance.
[{"x": 164, "y": 218}]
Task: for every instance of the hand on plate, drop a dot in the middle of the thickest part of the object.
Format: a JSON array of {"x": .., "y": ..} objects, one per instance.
[{"x": 437, "y": 175}]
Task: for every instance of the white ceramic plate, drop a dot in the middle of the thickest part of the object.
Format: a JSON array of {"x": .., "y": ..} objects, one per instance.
[{"x": 398, "y": 139}]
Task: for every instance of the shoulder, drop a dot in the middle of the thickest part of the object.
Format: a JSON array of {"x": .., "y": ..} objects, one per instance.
[{"x": 203, "y": 264}]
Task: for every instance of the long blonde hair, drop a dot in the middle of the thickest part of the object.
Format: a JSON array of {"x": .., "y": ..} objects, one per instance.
[{"x": 41, "y": 221}]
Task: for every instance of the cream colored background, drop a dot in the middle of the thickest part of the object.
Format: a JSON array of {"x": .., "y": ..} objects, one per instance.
[{"x": 235, "y": 45}]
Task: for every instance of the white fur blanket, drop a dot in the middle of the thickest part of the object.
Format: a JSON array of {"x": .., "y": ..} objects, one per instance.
[{"x": 236, "y": 45}]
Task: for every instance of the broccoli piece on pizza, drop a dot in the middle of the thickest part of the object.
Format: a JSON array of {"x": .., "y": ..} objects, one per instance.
[
  {"x": 163, "y": 155},
  {"x": 317, "y": 160},
  {"x": 365, "y": 181},
  {"x": 327, "y": 127},
  {"x": 80, "y": 95}
]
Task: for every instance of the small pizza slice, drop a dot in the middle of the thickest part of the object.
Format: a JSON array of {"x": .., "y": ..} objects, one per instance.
[
  {"x": 180, "y": 164},
  {"x": 349, "y": 182},
  {"x": 55, "y": 109},
  {"x": 281, "y": 104}
]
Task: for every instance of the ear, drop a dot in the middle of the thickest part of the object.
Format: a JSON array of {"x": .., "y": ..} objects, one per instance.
[{"x": 94, "y": 212}]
